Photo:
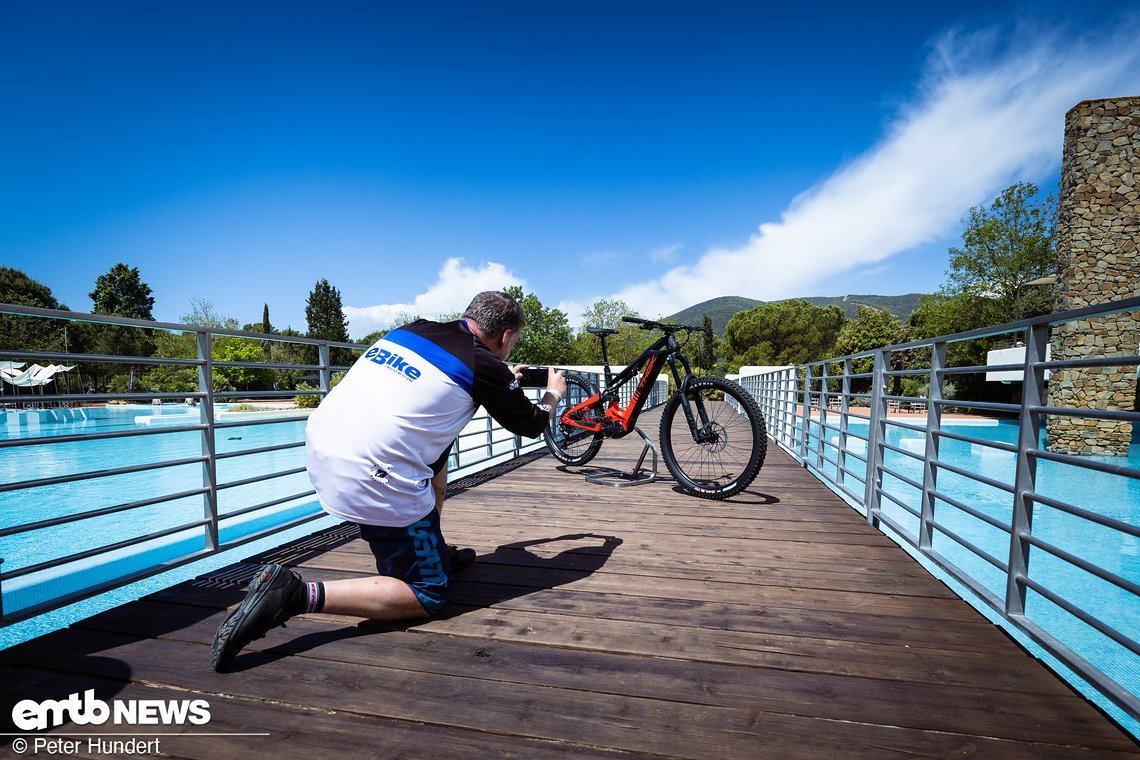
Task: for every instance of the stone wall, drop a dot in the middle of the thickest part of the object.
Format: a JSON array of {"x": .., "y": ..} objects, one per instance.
[{"x": 1098, "y": 237}]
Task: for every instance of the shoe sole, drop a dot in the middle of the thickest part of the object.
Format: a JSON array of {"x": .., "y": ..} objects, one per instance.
[{"x": 219, "y": 658}]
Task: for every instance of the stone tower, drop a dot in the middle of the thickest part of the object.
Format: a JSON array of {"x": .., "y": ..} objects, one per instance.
[{"x": 1098, "y": 238}]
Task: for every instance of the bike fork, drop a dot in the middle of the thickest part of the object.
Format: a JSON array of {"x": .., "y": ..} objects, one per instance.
[{"x": 695, "y": 427}]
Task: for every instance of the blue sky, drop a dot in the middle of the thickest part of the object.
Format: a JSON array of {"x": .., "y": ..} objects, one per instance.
[{"x": 414, "y": 153}]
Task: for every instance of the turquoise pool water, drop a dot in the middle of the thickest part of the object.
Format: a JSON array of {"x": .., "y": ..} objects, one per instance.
[
  {"x": 1106, "y": 494},
  {"x": 75, "y": 457}
]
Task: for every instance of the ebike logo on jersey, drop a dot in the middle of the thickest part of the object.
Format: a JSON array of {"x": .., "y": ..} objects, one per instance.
[
  {"x": 30, "y": 715},
  {"x": 394, "y": 362}
]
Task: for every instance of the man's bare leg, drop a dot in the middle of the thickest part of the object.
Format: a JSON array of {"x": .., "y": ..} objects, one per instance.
[{"x": 378, "y": 598}]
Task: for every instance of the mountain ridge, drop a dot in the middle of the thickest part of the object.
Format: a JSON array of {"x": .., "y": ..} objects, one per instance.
[{"x": 722, "y": 308}]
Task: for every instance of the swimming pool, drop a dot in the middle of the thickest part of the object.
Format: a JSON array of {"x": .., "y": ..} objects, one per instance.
[
  {"x": 1101, "y": 493},
  {"x": 66, "y": 458}
]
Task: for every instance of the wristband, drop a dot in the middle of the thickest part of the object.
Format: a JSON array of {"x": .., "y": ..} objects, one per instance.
[{"x": 552, "y": 392}]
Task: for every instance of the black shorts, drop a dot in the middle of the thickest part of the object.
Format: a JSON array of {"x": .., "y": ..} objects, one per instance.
[{"x": 417, "y": 555}]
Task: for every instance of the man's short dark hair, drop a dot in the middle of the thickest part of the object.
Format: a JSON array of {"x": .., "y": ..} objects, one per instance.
[{"x": 495, "y": 311}]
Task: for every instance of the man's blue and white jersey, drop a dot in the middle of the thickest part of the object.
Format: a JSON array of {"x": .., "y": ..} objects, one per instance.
[{"x": 378, "y": 437}]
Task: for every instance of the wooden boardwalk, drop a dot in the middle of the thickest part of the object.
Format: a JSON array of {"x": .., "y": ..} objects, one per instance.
[{"x": 597, "y": 622}]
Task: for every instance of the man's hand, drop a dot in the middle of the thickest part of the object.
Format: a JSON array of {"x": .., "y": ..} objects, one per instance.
[
  {"x": 518, "y": 370},
  {"x": 556, "y": 380}
]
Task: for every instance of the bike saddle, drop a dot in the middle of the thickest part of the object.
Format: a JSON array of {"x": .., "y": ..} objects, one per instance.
[{"x": 601, "y": 331}]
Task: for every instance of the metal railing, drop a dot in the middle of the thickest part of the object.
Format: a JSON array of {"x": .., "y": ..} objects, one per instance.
[
  {"x": 1046, "y": 540},
  {"x": 96, "y": 494}
]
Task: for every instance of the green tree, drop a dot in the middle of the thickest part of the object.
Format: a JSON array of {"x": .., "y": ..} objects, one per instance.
[
  {"x": 706, "y": 355},
  {"x": 324, "y": 314},
  {"x": 223, "y": 348},
  {"x": 621, "y": 348},
  {"x": 872, "y": 328},
  {"x": 266, "y": 325},
  {"x": 783, "y": 333},
  {"x": 22, "y": 333},
  {"x": 121, "y": 292},
  {"x": 1003, "y": 248},
  {"x": 546, "y": 335}
]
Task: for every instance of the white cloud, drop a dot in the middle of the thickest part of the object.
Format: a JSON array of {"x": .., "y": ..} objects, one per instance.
[
  {"x": 981, "y": 121},
  {"x": 666, "y": 254},
  {"x": 451, "y": 292}
]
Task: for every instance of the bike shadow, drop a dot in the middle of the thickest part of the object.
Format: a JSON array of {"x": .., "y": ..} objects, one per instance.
[{"x": 754, "y": 498}]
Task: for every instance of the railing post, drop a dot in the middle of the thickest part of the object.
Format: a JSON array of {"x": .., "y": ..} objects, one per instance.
[
  {"x": 933, "y": 425},
  {"x": 821, "y": 444},
  {"x": 788, "y": 406},
  {"x": 872, "y": 498},
  {"x": 206, "y": 415},
  {"x": 1025, "y": 478},
  {"x": 805, "y": 418},
  {"x": 324, "y": 352},
  {"x": 844, "y": 418},
  {"x": 1, "y": 590}
]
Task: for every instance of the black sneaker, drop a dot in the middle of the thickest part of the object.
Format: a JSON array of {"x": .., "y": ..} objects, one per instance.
[
  {"x": 264, "y": 608},
  {"x": 459, "y": 559}
]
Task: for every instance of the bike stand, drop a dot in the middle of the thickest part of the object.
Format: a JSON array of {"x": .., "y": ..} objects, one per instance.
[{"x": 638, "y": 476}]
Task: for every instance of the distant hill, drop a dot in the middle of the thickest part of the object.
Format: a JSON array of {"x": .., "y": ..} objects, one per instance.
[{"x": 721, "y": 309}]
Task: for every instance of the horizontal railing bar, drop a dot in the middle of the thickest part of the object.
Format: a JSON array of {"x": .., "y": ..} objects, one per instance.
[
  {"x": 967, "y": 544},
  {"x": 897, "y": 527},
  {"x": 250, "y": 423},
  {"x": 1105, "y": 520},
  {"x": 266, "y": 504},
  {"x": 260, "y": 450},
  {"x": 979, "y": 368},
  {"x": 49, "y": 439},
  {"x": 87, "y": 554},
  {"x": 36, "y": 356},
  {"x": 1083, "y": 564},
  {"x": 1081, "y": 615},
  {"x": 972, "y": 476},
  {"x": 912, "y": 483},
  {"x": 1110, "y": 688},
  {"x": 907, "y": 372},
  {"x": 91, "y": 398},
  {"x": 282, "y": 394},
  {"x": 269, "y": 365},
  {"x": 965, "y": 579},
  {"x": 1098, "y": 414},
  {"x": 20, "y": 485},
  {"x": 988, "y": 519},
  {"x": 260, "y": 478},
  {"x": 989, "y": 406},
  {"x": 904, "y": 425},
  {"x": 76, "y": 316},
  {"x": 65, "y": 519},
  {"x": 1088, "y": 464},
  {"x": 1099, "y": 361},
  {"x": 901, "y": 504},
  {"x": 904, "y": 452},
  {"x": 1000, "y": 445}
]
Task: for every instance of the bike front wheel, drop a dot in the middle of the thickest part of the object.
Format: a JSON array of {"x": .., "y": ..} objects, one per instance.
[
  {"x": 570, "y": 444},
  {"x": 722, "y": 451}
]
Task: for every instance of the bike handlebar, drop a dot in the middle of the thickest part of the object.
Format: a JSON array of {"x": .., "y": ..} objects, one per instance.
[{"x": 648, "y": 324}]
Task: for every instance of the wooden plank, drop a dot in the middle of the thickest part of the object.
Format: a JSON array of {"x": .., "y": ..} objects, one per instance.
[{"x": 663, "y": 726}]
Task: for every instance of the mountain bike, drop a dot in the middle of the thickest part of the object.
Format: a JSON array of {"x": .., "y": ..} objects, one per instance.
[{"x": 713, "y": 438}]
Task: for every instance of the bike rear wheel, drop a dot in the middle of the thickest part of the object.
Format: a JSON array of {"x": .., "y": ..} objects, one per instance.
[
  {"x": 569, "y": 444},
  {"x": 721, "y": 458}
]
